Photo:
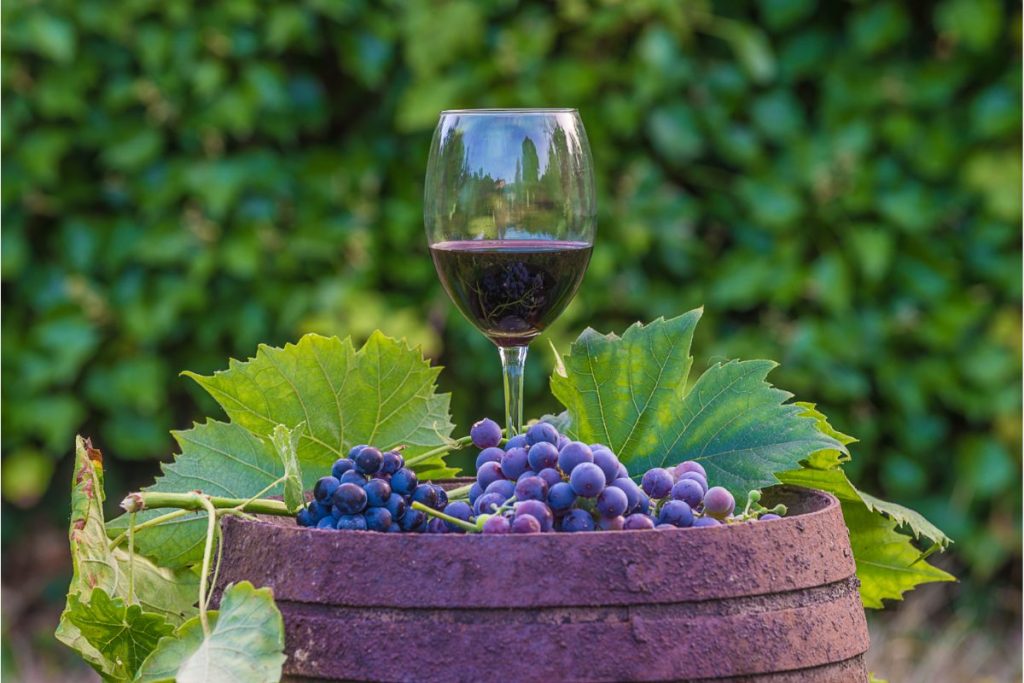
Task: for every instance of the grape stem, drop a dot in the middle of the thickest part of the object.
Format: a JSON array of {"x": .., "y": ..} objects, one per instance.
[
  {"x": 453, "y": 445},
  {"x": 466, "y": 526},
  {"x": 211, "y": 530},
  {"x": 195, "y": 500}
]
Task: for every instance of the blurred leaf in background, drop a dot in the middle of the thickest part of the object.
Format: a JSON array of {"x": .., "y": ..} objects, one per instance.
[{"x": 839, "y": 184}]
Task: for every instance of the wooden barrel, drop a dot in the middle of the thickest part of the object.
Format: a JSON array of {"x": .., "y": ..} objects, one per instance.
[{"x": 767, "y": 601}]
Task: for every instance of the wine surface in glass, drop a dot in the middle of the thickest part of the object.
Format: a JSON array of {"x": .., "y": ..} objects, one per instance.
[{"x": 511, "y": 289}]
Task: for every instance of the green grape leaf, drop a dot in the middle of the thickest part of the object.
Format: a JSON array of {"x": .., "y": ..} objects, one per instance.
[
  {"x": 124, "y": 634},
  {"x": 632, "y": 394},
  {"x": 913, "y": 520},
  {"x": 829, "y": 457},
  {"x": 888, "y": 563},
  {"x": 384, "y": 394},
  {"x": 168, "y": 594},
  {"x": 286, "y": 443},
  {"x": 219, "y": 459},
  {"x": 246, "y": 643}
]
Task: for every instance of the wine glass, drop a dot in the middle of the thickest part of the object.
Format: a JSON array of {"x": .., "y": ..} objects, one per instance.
[{"x": 509, "y": 211}]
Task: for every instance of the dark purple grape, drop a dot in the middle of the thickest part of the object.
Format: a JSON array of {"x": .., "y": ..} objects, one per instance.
[
  {"x": 341, "y": 466},
  {"x": 349, "y": 499},
  {"x": 486, "y": 503},
  {"x": 638, "y": 521},
  {"x": 587, "y": 480},
  {"x": 488, "y": 473},
  {"x": 324, "y": 488},
  {"x": 354, "y": 451},
  {"x": 643, "y": 504},
  {"x": 524, "y": 475},
  {"x": 538, "y": 510},
  {"x": 563, "y": 441},
  {"x": 394, "y": 528},
  {"x": 396, "y": 506},
  {"x": 577, "y": 520},
  {"x": 326, "y": 523},
  {"x": 542, "y": 455},
  {"x": 690, "y": 466},
  {"x": 532, "y": 488},
  {"x": 485, "y": 433},
  {"x": 437, "y": 526},
  {"x": 697, "y": 477},
  {"x": 377, "y": 519},
  {"x": 606, "y": 460},
  {"x": 706, "y": 521},
  {"x": 503, "y": 487},
  {"x": 378, "y": 492},
  {"x": 611, "y": 523},
  {"x": 574, "y": 453},
  {"x": 657, "y": 482},
  {"x": 489, "y": 455},
  {"x": 305, "y": 518},
  {"x": 413, "y": 520},
  {"x": 369, "y": 460},
  {"x": 458, "y": 509},
  {"x": 525, "y": 524},
  {"x": 632, "y": 491},
  {"x": 496, "y": 524},
  {"x": 391, "y": 462},
  {"x": 542, "y": 431},
  {"x": 718, "y": 503},
  {"x": 353, "y": 477},
  {"x": 425, "y": 494},
  {"x": 676, "y": 513},
  {"x": 515, "y": 462},
  {"x": 404, "y": 481},
  {"x": 550, "y": 475},
  {"x": 517, "y": 442},
  {"x": 689, "y": 491},
  {"x": 475, "y": 491},
  {"x": 612, "y": 502},
  {"x": 352, "y": 523},
  {"x": 561, "y": 497},
  {"x": 622, "y": 473},
  {"x": 768, "y": 516}
]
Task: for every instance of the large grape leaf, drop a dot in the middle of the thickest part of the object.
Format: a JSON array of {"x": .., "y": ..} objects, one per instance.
[
  {"x": 219, "y": 459},
  {"x": 170, "y": 595},
  {"x": 246, "y": 643},
  {"x": 384, "y": 394},
  {"x": 632, "y": 394},
  {"x": 125, "y": 634}
]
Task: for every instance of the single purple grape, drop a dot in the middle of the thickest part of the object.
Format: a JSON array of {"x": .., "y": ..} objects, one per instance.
[
  {"x": 437, "y": 526},
  {"x": 459, "y": 509},
  {"x": 574, "y": 453},
  {"x": 369, "y": 460},
  {"x": 768, "y": 516},
  {"x": 550, "y": 475},
  {"x": 305, "y": 518},
  {"x": 542, "y": 455},
  {"x": 657, "y": 482},
  {"x": 612, "y": 502},
  {"x": 413, "y": 520},
  {"x": 525, "y": 524},
  {"x": 643, "y": 504},
  {"x": 718, "y": 502},
  {"x": 486, "y": 503},
  {"x": 622, "y": 473},
  {"x": 404, "y": 481},
  {"x": 425, "y": 494},
  {"x": 377, "y": 519},
  {"x": 378, "y": 492},
  {"x": 532, "y": 488},
  {"x": 517, "y": 442},
  {"x": 632, "y": 491},
  {"x": 689, "y": 491},
  {"x": 475, "y": 492},
  {"x": 577, "y": 520},
  {"x": 351, "y": 523},
  {"x": 524, "y": 475},
  {"x": 706, "y": 521},
  {"x": 515, "y": 462},
  {"x": 542, "y": 431},
  {"x": 611, "y": 523},
  {"x": 355, "y": 450},
  {"x": 353, "y": 477},
  {"x": 492, "y": 454},
  {"x": 396, "y": 506},
  {"x": 391, "y": 462},
  {"x": 488, "y": 473},
  {"x": 349, "y": 499},
  {"x": 503, "y": 487},
  {"x": 561, "y": 497},
  {"x": 697, "y": 477},
  {"x": 690, "y": 466},
  {"x": 676, "y": 513},
  {"x": 638, "y": 521},
  {"x": 485, "y": 433},
  {"x": 496, "y": 524},
  {"x": 395, "y": 528},
  {"x": 324, "y": 488},
  {"x": 538, "y": 510},
  {"x": 563, "y": 441},
  {"x": 587, "y": 480},
  {"x": 606, "y": 460}
]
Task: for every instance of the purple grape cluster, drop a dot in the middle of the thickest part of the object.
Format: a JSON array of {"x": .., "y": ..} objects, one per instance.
[
  {"x": 374, "y": 491},
  {"x": 543, "y": 481}
]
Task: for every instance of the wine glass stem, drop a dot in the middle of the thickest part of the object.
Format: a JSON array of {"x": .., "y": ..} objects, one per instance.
[{"x": 513, "y": 361}]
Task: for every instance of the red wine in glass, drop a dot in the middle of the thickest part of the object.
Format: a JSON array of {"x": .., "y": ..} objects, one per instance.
[{"x": 511, "y": 289}]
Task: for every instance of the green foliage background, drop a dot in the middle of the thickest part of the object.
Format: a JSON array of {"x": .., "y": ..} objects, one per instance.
[{"x": 839, "y": 184}]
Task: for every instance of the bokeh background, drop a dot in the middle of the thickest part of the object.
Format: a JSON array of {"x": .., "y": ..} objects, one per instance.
[{"x": 839, "y": 183}]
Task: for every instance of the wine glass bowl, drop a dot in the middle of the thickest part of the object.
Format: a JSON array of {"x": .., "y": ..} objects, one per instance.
[{"x": 509, "y": 211}]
